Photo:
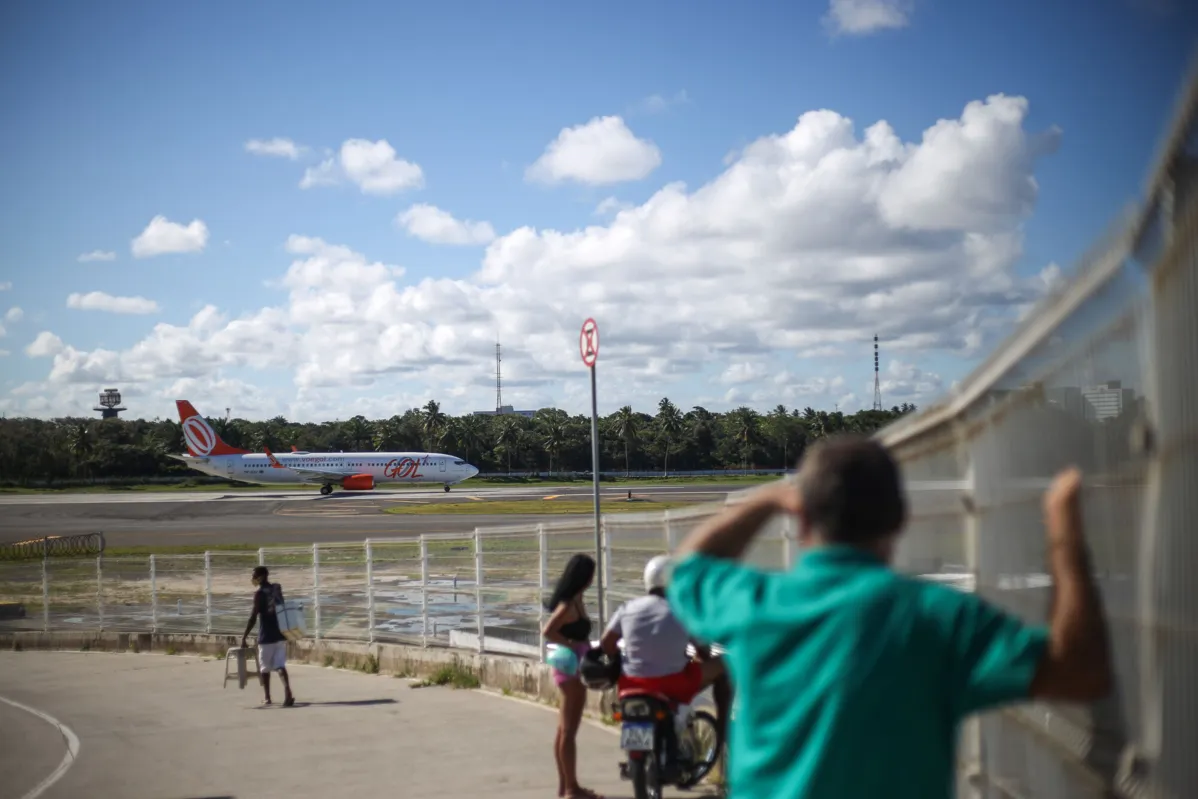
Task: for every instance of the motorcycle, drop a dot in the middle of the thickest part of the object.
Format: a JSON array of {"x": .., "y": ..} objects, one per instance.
[{"x": 667, "y": 743}]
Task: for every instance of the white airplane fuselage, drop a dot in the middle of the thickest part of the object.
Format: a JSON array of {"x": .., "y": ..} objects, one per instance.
[{"x": 397, "y": 468}]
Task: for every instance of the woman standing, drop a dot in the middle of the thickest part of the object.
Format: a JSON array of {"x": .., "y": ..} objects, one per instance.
[{"x": 570, "y": 627}]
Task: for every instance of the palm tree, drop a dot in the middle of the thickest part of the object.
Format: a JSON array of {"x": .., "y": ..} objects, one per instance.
[
  {"x": 669, "y": 425},
  {"x": 80, "y": 445},
  {"x": 509, "y": 438},
  {"x": 471, "y": 431},
  {"x": 357, "y": 431},
  {"x": 627, "y": 429},
  {"x": 556, "y": 437},
  {"x": 781, "y": 427},
  {"x": 433, "y": 424},
  {"x": 745, "y": 425}
]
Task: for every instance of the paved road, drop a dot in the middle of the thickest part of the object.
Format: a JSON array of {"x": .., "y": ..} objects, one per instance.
[
  {"x": 208, "y": 518},
  {"x": 161, "y": 727}
]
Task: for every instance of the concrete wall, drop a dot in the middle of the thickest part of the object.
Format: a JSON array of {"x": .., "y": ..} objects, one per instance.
[{"x": 515, "y": 675}]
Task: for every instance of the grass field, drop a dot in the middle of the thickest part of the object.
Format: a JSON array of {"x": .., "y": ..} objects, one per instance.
[
  {"x": 704, "y": 480},
  {"x": 530, "y": 507}
]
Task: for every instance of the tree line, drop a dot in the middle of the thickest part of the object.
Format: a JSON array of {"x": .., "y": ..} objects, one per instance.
[{"x": 74, "y": 450}]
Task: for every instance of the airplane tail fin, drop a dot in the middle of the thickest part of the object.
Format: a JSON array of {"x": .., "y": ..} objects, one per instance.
[
  {"x": 274, "y": 462},
  {"x": 201, "y": 439}
]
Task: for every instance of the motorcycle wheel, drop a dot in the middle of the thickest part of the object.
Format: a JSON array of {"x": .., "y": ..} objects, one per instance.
[
  {"x": 645, "y": 782},
  {"x": 701, "y": 731}
]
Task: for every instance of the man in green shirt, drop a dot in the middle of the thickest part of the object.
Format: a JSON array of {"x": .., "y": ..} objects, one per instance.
[{"x": 851, "y": 678}]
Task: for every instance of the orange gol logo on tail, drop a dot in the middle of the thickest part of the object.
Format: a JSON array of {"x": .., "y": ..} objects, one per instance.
[{"x": 403, "y": 468}]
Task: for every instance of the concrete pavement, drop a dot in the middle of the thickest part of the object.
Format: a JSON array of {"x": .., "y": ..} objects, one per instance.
[
  {"x": 209, "y": 518},
  {"x": 161, "y": 727}
]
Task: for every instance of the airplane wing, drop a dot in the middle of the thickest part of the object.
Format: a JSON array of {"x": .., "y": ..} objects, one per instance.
[{"x": 312, "y": 474}]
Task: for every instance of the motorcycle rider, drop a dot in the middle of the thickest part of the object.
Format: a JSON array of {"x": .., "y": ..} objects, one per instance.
[{"x": 655, "y": 642}]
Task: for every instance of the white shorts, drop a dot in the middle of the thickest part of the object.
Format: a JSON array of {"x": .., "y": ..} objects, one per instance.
[{"x": 272, "y": 657}]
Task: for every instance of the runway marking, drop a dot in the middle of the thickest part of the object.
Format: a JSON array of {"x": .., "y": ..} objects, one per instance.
[
  {"x": 553, "y": 496},
  {"x": 68, "y": 735},
  {"x": 475, "y": 499}
]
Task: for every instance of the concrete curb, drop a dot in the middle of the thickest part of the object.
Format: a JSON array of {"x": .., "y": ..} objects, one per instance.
[{"x": 501, "y": 673}]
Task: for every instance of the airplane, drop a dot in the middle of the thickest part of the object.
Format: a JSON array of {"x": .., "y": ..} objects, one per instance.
[{"x": 352, "y": 471}]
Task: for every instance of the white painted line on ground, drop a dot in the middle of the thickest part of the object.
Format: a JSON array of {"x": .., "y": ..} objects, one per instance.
[
  {"x": 72, "y": 742},
  {"x": 521, "y": 700}
]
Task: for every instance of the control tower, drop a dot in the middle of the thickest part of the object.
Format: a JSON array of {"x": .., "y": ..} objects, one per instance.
[{"x": 110, "y": 404}]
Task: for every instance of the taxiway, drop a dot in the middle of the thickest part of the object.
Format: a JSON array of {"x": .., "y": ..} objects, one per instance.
[{"x": 202, "y": 518}]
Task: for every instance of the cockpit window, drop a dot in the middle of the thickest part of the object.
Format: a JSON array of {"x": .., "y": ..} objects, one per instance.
[{"x": 459, "y": 463}]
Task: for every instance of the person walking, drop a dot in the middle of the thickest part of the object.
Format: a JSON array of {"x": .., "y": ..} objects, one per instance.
[
  {"x": 272, "y": 646},
  {"x": 569, "y": 626},
  {"x": 852, "y": 679}
]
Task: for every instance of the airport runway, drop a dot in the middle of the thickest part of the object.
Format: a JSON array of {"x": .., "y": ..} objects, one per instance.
[{"x": 204, "y": 518}]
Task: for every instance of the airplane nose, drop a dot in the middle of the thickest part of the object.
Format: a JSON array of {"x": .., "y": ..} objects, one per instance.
[{"x": 473, "y": 470}]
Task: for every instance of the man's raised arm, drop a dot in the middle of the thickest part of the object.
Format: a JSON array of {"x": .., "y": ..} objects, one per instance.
[{"x": 729, "y": 533}]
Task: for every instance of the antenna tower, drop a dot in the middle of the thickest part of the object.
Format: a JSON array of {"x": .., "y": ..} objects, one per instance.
[
  {"x": 498, "y": 380},
  {"x": 877, "y": 382}
]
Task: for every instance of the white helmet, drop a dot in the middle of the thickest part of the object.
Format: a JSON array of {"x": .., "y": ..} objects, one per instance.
[{"x": 656, "y": 572}]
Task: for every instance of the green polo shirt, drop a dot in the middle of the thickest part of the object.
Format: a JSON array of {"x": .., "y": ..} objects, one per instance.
[{"x": 850, "y": 679}]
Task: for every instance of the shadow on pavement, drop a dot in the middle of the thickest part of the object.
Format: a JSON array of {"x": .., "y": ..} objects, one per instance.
[{"x": 347, "y": 703}]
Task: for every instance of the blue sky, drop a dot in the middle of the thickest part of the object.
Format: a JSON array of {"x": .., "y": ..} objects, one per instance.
[{"x": 122, "y": 113}]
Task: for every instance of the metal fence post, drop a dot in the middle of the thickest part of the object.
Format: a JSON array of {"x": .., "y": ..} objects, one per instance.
[
  {"x": 208, "y": 592},
  {"x": 369, "y": 591},
  {"x": 667, "y": 531},
  {"x": 424, "y": 589},
  {"x": 316, "y": 588},
  {"x": 153, "y": 596},
  {"x": 478, "y": 585},
  {"x": 788, "y": 541},
  {"x": 45, "y": 593},
  {"x": 973, "y": 749},
  {"x": 100, "y": 590},
  {"x": 606, "y": 597},
  {"x": 261, "y": 556},
  {"x": 542, "y": 575}
]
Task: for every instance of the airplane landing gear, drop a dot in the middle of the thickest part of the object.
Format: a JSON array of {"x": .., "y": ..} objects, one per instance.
[
  {"x": 325, "y": 490},
  {"x": 447, "y": 489}
]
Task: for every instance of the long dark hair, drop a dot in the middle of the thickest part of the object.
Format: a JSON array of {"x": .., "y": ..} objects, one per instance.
[{"x": 575, "y": 577}]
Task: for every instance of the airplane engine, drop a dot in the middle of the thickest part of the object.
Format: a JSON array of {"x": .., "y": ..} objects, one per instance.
[{"x": 358, "y": 482}]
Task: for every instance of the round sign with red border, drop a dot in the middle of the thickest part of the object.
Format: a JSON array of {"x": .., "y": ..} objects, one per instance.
[{"x": 588, "y": 342}]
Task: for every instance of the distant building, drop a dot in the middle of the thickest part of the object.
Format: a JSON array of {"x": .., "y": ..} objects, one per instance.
[
  {"x": 507, "y": 410},
  {"x": 1107, "y": 401},
  {"x": 110, "y": 404},
  {"x": 1068, "y": 399}
]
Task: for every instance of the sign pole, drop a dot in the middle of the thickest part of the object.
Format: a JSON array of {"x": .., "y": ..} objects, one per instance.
[
  {"x": 588, "y": 347},
  {"x": 595, "y": 482}
]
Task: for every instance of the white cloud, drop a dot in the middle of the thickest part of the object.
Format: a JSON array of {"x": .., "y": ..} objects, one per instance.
[
  {"x": 431, "y": 224},
  {"x": 656, "y": 103},
  {"x": 905, "y": 382},
  {"x": 860, "y": 17},
  {"x": 45, "y": 345},
  {"x": 808, "y": 243},
  {"x": 96, "y": 255},
  {"x": 373, "y": 166},
  {"x": 99, "y": 301},
  {"x": 3, "y": 331},
  {"x": 602, "y": 151},
  {"x": 324, "y": 174},
  {"x": 162, "y": 236},
  {"x": 611, "y": 205},
  {"x": 6, "y": 286},
  {"x": 5, "y": 353},
  {"x": 14, "y": 315},
  {"x": 281, "y": 148}
]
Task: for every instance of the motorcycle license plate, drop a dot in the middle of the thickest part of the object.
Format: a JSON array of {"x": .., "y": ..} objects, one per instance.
[{"x": 636, "y": 737}]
